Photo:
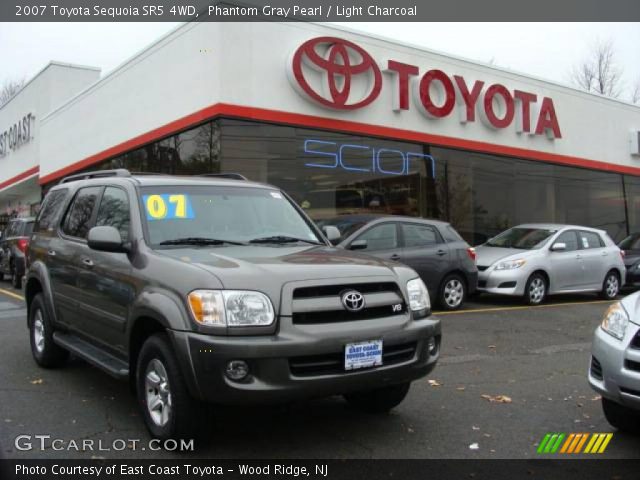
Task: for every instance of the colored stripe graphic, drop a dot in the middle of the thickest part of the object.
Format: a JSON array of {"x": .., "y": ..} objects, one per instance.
[{"x": 574, "y": 443}]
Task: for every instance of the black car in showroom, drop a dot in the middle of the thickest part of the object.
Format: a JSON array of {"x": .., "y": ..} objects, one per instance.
[
  {"x": 433, "y": 248},
  {"x": 13, "y": 247},
  {"x": 631, "y": 248}
]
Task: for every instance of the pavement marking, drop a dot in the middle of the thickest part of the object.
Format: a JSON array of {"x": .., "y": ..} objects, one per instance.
[
  {"x": 528, "y": 307},
  {"x": 12, "y": 294}
]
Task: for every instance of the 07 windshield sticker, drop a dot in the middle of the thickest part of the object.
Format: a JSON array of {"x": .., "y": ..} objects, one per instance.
[{"x": 168, "y": 206}]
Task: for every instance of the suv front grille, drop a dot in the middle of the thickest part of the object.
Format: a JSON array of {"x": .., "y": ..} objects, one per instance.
[
  {"x": 323, "y": 304},
  {"x": 333, "y": 363},
  {"x": 631, "y": 365},
  {"x": 596, "y": 368}
]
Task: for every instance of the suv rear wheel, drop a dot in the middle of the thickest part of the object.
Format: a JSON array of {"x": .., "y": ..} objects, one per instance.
[
  {"x": 621, "y": 417},
  {"x": 453, "y": 292},
  {"x": 168, "y": 409},
  {"x": 610, "y": 286},
  {"x": 16, "y": 279},
  {"x": 45, "y": 351},
  {"x": 380, "y": 400}
]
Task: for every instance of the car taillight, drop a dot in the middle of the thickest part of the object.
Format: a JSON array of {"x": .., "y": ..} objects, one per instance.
[
  {"x": 23, "y": 243},
  {"x": 622, "y": 254},
  {"x": 472, "y": 253}
]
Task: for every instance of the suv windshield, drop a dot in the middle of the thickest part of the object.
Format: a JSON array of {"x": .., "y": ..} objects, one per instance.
[
  {"x": 522, "y": 238},
  {"x": 221, "y": 215}
]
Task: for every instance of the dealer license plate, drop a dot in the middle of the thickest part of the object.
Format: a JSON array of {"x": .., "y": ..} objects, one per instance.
[{"x": 363, "y": 355}]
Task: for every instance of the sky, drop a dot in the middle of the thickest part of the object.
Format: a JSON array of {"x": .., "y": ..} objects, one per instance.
[{"x": 545, "y": 50}]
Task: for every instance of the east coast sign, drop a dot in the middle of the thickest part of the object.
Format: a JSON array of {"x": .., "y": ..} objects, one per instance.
[
  {"x": 17, "y": 134},
  {"x": 340, "y": 75}
]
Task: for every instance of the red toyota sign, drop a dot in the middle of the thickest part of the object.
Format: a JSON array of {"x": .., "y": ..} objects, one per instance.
[{"x": 325, "y": 69}]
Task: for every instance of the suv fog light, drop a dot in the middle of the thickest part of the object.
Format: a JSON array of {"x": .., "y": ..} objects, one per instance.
[
  {"x": 237, "y": 370},
  {"x": 432, "y": 346}
]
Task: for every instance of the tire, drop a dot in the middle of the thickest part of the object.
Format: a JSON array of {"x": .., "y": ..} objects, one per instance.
[
  {"x": 621, "y": 417},
  {"x": 380, "y": 400},
  {"x": 45, "y": 351},
  {"x": 453, "y": 292},
  {"x": 16, "y": 280},
  {"x": 158, "y": 379},
  {"x": 610, "y": 286},
  {"x": 535, "y": 291}
]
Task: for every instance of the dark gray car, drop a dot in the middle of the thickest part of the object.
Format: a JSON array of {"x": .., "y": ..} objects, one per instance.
[
  {"x": 444, "y": 261},
  {"x": 218, "y": 290},
  {"x": 13, "y": 248}
]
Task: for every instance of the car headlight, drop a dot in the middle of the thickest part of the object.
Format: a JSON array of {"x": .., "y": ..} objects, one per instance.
[
  {"x": 510, "y": 264},
  {"x": 418, "y": 295},
  {"x": 615, "y": 321},
  {"x": 233, "y": 308}
]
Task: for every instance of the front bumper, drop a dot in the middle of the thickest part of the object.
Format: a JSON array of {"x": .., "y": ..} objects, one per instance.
[
  {"x": 502, "y": 282},
  {"x": 277, "y": 362},
  {"x": 615, "y": 367}
]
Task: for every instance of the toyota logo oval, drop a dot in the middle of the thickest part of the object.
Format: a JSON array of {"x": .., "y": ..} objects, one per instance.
[
  {"x": 341, "y": 63},
  {"x": 353, "y": 300}
]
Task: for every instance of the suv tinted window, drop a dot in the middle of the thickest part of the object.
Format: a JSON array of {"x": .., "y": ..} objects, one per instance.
[
  {"x": 419, "y": 235},
  {"x": 381, "y": 237},
  {"x": 570, "y": 239},
  {"x": 590, "y": 240},
  {"x": 12, "y": 229},
  {"x": 51, "y": 211},
  {"x": 78, "y": 219},
  {"x": 28, "y": 229},
  {"x": 114, "y": 211}
]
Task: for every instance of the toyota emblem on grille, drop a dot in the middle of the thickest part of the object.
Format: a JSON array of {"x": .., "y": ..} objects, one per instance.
[{"x": 352, "y": 300}]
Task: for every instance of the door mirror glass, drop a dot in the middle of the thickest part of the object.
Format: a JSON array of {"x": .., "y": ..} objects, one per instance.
[
  {"x": 332, "y": 233},
  {"x": 105, "y": 239},
  {"x": 358, "y": 245},
  {"x": 558, "y": 247}
]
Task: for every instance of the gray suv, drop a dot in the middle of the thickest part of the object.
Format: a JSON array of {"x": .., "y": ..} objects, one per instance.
[{"x": 218, "y": 290}]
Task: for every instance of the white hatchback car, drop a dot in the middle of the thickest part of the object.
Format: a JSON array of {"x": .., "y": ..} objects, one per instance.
[{"x": 534, "y": 260}]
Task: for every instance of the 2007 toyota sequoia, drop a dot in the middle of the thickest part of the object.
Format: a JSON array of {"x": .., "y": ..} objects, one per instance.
[{"x": 217, "y": 289}]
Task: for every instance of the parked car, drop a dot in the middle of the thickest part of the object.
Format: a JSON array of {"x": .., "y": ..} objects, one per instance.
[
  {"x": 13, "y": 247},
  {"x": 444, "y": 261},
  {"x": 218, "y": 290},
  {"x": 615, "y": 363},
  {"x": 535, "y": 260},
  {"x": 631, "y": 248}
]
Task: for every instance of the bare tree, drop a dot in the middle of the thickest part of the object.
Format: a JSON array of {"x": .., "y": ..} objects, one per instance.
[
  {"x": 598, "y": 72},
  {"x": 635, "y": 92},
  {"x": 9, "y": 88}
]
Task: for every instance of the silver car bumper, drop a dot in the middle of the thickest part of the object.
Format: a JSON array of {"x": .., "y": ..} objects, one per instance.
[
  {"x": 502, "y": 282},
  {"x": 615, "y": 367}
]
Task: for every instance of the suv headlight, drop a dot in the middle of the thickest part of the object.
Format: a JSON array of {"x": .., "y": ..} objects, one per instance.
[
  {"x": 615, "y": 321},
  {"x": 418, "y": 295},
  {"x": 233, "y": 308},
  {"x": 510, "y": 264}
]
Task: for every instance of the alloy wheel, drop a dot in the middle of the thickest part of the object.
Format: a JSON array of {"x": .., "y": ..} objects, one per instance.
[
  {"x": 453, "y": 293},
  {"x": 158, "y": 393},
  {"x": 536, "y": 290},
  {"x": 612, "y": 286},
  {"x": 38, "y": 331}
]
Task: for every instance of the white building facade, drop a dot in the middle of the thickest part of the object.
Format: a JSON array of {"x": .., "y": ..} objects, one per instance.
[{"x": 345, "y": 123}]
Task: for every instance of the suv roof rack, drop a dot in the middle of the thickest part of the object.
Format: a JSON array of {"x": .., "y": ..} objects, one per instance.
[
  {"x": 231, "y": 175},
  {"x": 120, "y": 172}
]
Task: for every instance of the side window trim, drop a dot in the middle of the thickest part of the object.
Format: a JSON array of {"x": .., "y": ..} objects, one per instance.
[
  {"x": 438, "y": 236},
  {"x": 129, "y": 204},
  {"x": 371, "y": 227},
  {"x": 92, "y": 220}
]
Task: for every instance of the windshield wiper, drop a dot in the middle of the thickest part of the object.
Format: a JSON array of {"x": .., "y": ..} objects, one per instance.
[
  {"x": 283, "y": 239},
  {"x": 199, "y": 241}
]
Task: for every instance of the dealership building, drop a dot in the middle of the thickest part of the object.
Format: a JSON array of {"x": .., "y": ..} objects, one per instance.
[{"x": 344, "y": 122}]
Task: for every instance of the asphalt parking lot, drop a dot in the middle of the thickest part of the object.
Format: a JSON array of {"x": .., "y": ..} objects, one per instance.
[{"x": 532, "y": 359}]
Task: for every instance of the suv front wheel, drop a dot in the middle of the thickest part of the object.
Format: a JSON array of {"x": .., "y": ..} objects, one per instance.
[
  {"x": 168, "y": 409},
  {"x": 380, "y": 400}
]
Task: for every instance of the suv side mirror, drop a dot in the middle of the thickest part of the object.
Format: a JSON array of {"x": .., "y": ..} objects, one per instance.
[
  {"x": 558, "y": 247},
  {"x": 332, "y": 233},
  {"x": 105, "y": 239},
  {"x": 358, "y": 245}
]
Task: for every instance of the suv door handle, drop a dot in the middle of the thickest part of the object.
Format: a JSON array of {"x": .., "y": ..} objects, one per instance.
[
  {"x": 87, "y": 262},
  {"x": 51, "y": 253},
  {"x": 441, "y": 252}
]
